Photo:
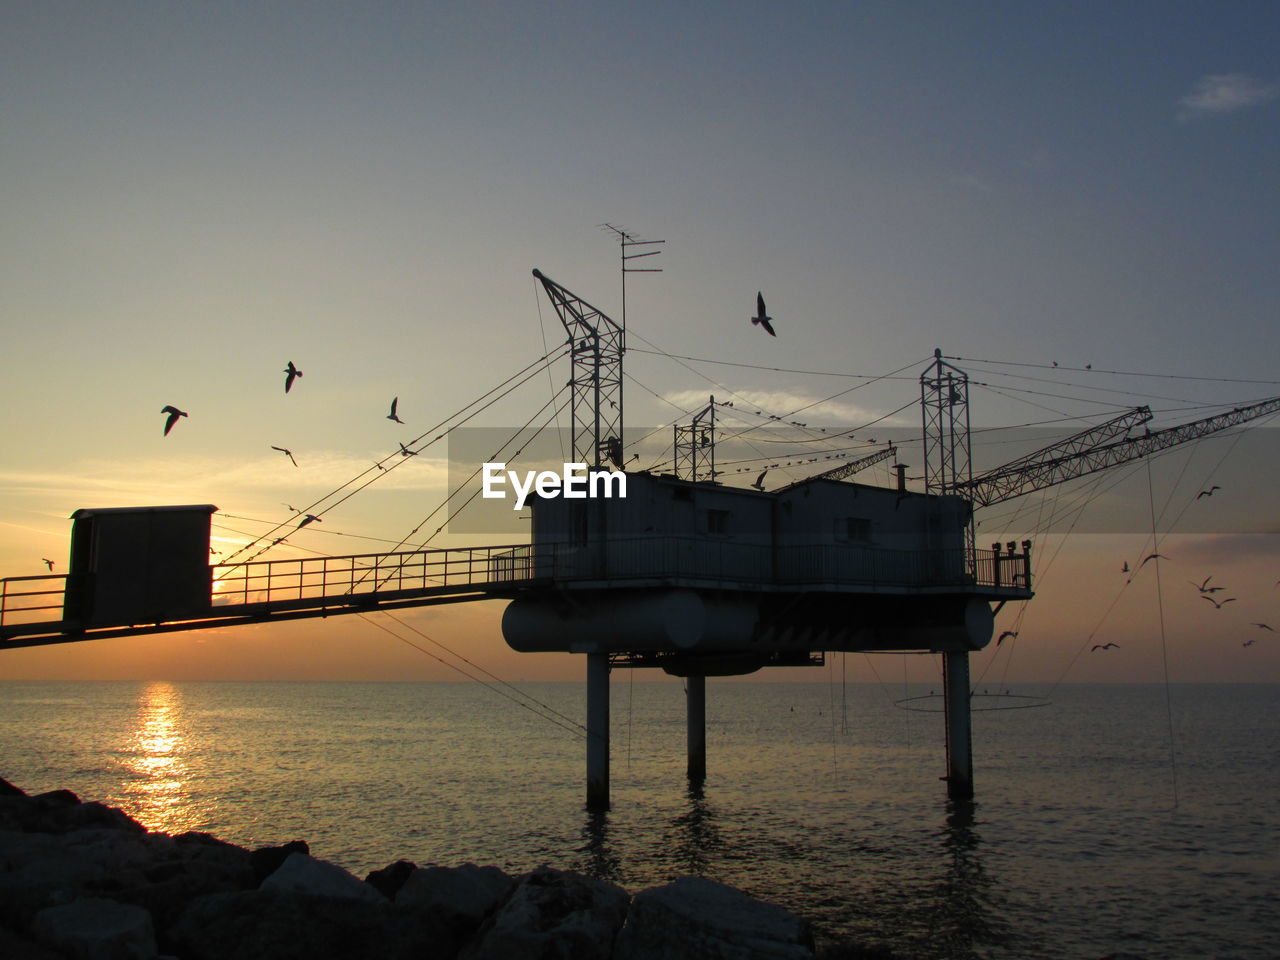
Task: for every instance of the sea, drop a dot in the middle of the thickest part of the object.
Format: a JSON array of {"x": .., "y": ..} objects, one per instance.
[{"x": 1140, "y": 821}]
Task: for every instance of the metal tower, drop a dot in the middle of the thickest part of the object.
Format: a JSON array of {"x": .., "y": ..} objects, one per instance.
[
  {"x": 944, "y": 403},
  {"x": 596, "y": 347},
  {"x": 695, "y": 445}
]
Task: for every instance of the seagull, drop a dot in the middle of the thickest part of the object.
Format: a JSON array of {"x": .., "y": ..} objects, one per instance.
[
  {"x": 290, "y": 506},
  {"x": 310, "y": 517},
  {"x": 174, "y": 413},
  {"x": 406, "y": 452},
  {"x": 1204, "y": 587},
  {"x": 1007, "y": 633},
  {"x": 287, "y": 453},
  {"x": 395, "y": 401},
  {"x": 759, "y": 484},
  {"x": 761, "y": 318},
  {"x": 1151, "y": 556},
  {"x": 1248, "y": 643},
  {"x": 48, "y": 562},
  {"x": 1265, "y": 626},
  {"x": 1208, "y": 493},
  {"x": 292, "y": 374},
  {"x": 1216, "y": 604},
  {"x": 1104, "y": 646}
]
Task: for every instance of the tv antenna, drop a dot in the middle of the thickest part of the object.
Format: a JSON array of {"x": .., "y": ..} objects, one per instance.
[{"x": 628, "y": 241}]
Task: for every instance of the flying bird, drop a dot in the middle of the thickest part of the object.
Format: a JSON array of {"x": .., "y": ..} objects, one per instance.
[
  {"x": 309, "y": 518},
  {"x": 292, "y": 374},
  {"x": 287, "y": 453},
  {"x": 174, "y": 413},
  {"x": 395, "y": 402},
  {"x": 1208, "y": 493},
  {"x": 1151, "y": 556},
  {"x": 1104, "y": 646},
  {"x": 1204, "y": 587},
  {"x": 1265, "y": 626},
  {"x": 1007, "y": 633},
  {"x": 406, "y": 452},
  {"x": 759, "y": 484},
  {"x": 1248, "y": 643},
  {"x": 290, "y": 506},
  {"x": 1217, "y": 605},
  {"x": 48, "y": 562},
  {"x": 761, "y": 318}
]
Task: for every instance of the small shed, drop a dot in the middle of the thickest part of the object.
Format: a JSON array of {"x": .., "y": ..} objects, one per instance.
[{"x": 136, "y": 565}]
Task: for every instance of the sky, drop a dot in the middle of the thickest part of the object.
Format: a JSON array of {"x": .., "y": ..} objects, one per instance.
[{"x": 197, "y": 194}]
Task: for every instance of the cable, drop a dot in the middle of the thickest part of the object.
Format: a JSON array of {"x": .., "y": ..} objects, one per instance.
[
  {"x": 1119, "y": 373},
  {"x": 382, "y": 471},
  {"x": 453, "y": 666}
]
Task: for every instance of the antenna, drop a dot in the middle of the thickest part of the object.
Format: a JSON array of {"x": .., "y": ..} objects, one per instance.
[{"x": 627, "y": 241}]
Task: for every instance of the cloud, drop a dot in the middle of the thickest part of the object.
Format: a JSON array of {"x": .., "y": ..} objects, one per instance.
[
  {"x": 811, "y": 410},
  {"x": 1219, "y": 93}
]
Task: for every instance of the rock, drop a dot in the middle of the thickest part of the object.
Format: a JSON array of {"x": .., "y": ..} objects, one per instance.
[
  {"x": 18, "y": 947},
  {"x": 460, "y": 897},
  {"x": 553, "y": 915},
  {"x": 60, "y": 811},
  {"x": 391, "y": 878},
  {"x": 37, "y": 871},
  {"x": 266, "y": 860},
  {"x": 7, "y": 789},
  {"x": 696, "y": 918},
  {"x": 92, "y": 929},
  {"x": 269, "y": 925},
  {"x": 301, "y": 873}
]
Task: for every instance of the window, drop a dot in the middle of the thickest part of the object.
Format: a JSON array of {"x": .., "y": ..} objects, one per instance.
[
  {"x": 853, "y": 530},
  {"x": 718, "y": 522}
]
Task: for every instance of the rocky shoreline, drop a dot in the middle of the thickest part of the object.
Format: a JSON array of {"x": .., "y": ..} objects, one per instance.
[{"x": 84, "y": 880}]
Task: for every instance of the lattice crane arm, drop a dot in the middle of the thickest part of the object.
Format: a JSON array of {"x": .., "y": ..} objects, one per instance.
[
  {"x": 1077, "y": 457},
  {"x": 853, "y": 466}
]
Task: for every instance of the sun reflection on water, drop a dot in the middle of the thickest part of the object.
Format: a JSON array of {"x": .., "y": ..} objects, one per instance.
[{"x": 155, "y": 785}]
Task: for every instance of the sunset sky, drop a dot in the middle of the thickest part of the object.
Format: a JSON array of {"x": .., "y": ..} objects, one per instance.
[{"x": 196, "y": 194}]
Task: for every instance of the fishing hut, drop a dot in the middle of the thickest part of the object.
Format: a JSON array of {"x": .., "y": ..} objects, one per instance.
[{"x": 685, "y": 573}]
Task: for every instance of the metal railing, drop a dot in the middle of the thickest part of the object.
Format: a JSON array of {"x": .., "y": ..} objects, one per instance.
[
  {"x": 36, "y": 599},
  {"x": 308, "y": 578},
  {"x": 40, "y": 599}
]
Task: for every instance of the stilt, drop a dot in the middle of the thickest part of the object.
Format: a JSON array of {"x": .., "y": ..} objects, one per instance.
[
  {"x": 597, "y": 731},
  {"x": 955, "y": 683},
  {"x": 696, "y": 704}
]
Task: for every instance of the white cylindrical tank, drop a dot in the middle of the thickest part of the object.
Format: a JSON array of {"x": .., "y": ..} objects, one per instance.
[{"x": 643, "y": 621}]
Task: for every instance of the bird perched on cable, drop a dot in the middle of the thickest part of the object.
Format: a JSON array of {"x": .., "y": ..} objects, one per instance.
[
  {"x": 1125, "y": 568},
  {"x": 309, "y": 518},
  {"x": 395, "y": 402},
  {"x": 1216, "y": 604},
  {"x": 287, "y": 453},
  {"x": 759, "y": 484},
  {"x": 1208, "y": 493},
  {"x": 761, "y": 318},
  {"x": 174, "y": 413},
  {"x": 292, "y": 374},
  {"x": 48, "y": 562},
  {"x": 1104, "y": 646}
]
